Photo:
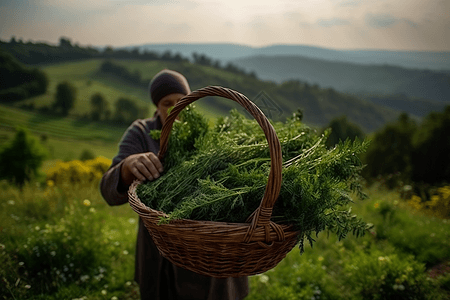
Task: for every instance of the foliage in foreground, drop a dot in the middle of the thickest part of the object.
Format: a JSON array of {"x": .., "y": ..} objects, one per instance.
[
  {"x": 86, "y": 248},
  {"x": 64, "y": 242},
  {"x": 221, "y": 175},
  {"x": 401, "y": 259}
]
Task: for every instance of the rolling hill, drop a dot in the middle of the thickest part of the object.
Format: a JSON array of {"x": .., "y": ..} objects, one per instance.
[
  {"x": 438, "y": 61},
  {"x": 318, "y": 105},
  {"x": 278, "y": 101},
  {"x": 353, "y": 78}
]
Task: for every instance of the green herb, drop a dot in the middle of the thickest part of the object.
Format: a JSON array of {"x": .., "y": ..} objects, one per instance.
[{"x": 220, "y": 174}]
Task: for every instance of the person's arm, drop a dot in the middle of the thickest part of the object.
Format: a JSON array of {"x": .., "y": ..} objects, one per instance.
[{"x": 130, "y": 163}]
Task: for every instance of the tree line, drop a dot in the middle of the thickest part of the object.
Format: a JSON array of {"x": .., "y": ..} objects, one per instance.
[
  {"x": 405, "y": 152},
  {"x": 125, "y": 110},
  {"x": 302, "y": 94},
  {"x": 18, "y": 81},
  {"x": 42, "y": 53}
]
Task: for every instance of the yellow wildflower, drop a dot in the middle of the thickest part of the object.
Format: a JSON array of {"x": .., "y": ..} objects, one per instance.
[{"x": 86, "y": 202}]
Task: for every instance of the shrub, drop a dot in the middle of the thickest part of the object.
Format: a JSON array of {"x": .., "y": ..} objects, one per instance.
[
  {"x": 63, "y": 243},
  {"x": 65, "y": 98},
  {"x": 297, "y": 278},
  {"x": 342, "y": 129},
  {"x": 21, "y": 159},
  {"x": 87, "y": 155},
  {"x": 78, "y": 172},
  {"x": 375, "y": 275},
  {"x": 412, "y": 233},
  {"x": 438, "y": 205}
]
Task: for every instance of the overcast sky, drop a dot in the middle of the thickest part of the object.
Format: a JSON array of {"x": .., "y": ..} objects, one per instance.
[{"x": 340, "y": 24}]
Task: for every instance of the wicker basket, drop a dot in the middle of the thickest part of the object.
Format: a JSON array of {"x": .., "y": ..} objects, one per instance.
[{"x": 220, "y": 249}]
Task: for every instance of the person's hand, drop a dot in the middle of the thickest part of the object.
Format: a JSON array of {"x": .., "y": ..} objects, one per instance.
[{"x": 141, "y": 166}]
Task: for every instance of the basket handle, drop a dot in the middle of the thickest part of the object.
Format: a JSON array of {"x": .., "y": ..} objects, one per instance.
[{"x": 262, "y": 215}]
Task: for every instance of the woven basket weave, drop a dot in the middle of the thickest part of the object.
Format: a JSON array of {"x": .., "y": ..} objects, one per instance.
[{"x": 220, "y": 249}]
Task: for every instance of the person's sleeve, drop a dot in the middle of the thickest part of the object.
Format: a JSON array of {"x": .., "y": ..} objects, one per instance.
[{"x": 133, "y": 141}]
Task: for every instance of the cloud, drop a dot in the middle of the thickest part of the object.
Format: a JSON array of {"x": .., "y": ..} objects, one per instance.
[
  {"x": 410, "y": 23},
  {"x": 183, "y": 3},
  {"x": 333, "y": 22},
  {"x": 386, "y": 21},
  {"x": 380, "y": 20},
  {"x": 350, "y": 3}
]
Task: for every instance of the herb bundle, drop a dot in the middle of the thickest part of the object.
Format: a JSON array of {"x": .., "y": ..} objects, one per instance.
[{"x": 220, "y": 174}]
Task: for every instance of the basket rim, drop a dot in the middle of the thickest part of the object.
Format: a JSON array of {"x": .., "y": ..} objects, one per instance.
[{"x": 210, "y": 231}]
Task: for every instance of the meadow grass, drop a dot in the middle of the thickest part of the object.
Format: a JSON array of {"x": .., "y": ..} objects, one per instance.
[
  {"x": 377, "y": 266},
  {"x": 64, "y": 242}
]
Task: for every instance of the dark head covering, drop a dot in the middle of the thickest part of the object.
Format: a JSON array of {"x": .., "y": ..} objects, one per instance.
[{"x": 167, "y": 82}]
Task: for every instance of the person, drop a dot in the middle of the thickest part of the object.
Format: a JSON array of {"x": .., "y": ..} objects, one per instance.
[{"x": 137, "y": 159}]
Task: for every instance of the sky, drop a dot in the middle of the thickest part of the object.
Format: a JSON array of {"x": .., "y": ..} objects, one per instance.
[{"x": 413, "y": 25}]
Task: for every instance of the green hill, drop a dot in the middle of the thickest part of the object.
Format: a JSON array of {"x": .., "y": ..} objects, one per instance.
[
  {"x": 351, "y": 77},
  {"x": 64, "y": 138},
  {"x": 319, "y": 105},
  {"x": 67, "y": 137},
  {"x": 86, "y": 77}
]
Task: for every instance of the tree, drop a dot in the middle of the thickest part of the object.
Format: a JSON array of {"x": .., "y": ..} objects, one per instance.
[
  {"x": 126, "y": 110},
  {"x": 108, "y": 51},
  {"x": 99, "y": 107},
  {"x": 167, "y": 55},
  {"x": 390, "y": 151},
  {"x": 18, "y": 81},
  {"x": 21, "y": 159},
  {"x": 87, "y": 154},
  {"x": 65, "y": 98},
  {"x": 431, "y": 154},
  {"x": 342, "y": 129},
  {"x": 65, "y": 42}
]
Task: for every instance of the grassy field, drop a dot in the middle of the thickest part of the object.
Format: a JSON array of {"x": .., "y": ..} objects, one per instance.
[
  {"x": 64, "y": 138},
  {"x": 60, "y": 134},
  {"x": 83, "y": 75},
  {"x": 52, "y": 233},
  {"x": 87, "y": 79}
]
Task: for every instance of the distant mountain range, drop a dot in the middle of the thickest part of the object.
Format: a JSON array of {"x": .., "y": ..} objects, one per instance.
[
  {"x": 368, "y": 73},
  {"x": 438, "y": 61},
  {"x": 352, "y": 78}
]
